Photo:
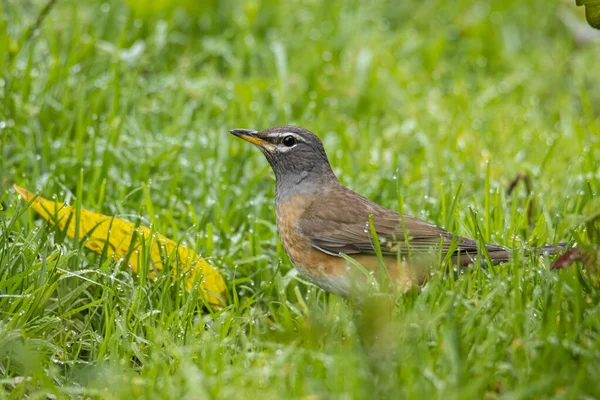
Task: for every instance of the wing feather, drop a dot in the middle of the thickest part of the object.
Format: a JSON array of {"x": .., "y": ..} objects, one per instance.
[{"x": 335, "y": 230}]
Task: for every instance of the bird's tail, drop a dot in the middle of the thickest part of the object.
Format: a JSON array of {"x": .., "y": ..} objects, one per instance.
[
  {"x": 499, "y": 254},
  {"x": 551, "y": 249}
]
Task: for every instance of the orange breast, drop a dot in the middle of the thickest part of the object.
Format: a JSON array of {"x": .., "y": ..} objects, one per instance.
[
  {"x": 331, "y": 273},
  {"x": 324, "y": 270}
]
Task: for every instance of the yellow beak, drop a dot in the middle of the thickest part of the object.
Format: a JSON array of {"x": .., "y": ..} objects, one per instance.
[{"x": 249, "y": 135}]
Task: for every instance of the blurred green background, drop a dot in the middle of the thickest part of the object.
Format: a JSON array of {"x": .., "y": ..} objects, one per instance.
[{"x": 429, "y": 107}]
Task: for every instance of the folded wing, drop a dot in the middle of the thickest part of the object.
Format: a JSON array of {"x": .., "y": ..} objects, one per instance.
[{"x": 333, "y": 231}]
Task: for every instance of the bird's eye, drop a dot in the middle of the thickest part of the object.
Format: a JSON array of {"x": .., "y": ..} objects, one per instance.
[{"x": 289, "y": 141}]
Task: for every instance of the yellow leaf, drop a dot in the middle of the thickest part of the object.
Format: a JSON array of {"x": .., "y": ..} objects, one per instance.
[{"x": 119, "y": 233}]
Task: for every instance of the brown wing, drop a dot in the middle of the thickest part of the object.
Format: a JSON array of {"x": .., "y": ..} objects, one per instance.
[{"x": 334, "y": 230}]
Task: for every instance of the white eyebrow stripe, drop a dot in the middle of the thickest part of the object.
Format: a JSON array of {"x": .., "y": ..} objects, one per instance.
[{"x": 282, "y": 134}]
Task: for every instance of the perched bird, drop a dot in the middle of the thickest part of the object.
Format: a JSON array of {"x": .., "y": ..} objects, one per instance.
[{"x": 320, "y": 220}]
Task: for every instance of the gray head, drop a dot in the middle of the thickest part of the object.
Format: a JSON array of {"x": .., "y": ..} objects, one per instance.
[{"x": 296, "y": 155}]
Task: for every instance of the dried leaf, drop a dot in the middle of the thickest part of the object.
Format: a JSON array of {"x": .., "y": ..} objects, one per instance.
[
  {"x": 570, "y": 257},
  {"x": 98, "y": 229}
]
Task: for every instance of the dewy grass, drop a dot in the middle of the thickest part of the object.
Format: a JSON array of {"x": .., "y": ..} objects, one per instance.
[{"x": 429, "y": 107}]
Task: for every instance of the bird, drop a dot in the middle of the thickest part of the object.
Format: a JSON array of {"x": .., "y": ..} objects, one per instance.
[{"x": 338, "y": 239}]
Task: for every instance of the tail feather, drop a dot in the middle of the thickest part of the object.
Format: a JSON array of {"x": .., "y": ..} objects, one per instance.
[
  {"x": 499, "y": 254},
  {"x": 552, "y": 249}
]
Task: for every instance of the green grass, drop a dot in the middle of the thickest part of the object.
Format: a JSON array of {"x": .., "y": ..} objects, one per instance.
[{"x": 426, "y": 107}]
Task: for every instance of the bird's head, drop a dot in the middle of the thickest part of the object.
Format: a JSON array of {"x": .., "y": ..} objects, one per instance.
[{"x": 295, "y": 154}]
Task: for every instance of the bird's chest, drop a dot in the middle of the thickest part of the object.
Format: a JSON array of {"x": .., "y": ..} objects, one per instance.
[
  {"x": 322, "y": 269},
  {"x": 287, "y": 213}
]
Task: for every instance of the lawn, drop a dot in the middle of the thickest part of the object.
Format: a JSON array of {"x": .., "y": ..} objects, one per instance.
[{"x": 426, "y": 107}]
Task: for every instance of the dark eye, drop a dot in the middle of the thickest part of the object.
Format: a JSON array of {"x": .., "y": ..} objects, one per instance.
[{"x": 289, "y": 141}]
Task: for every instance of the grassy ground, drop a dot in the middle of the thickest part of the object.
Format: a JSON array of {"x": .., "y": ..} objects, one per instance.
[{"x": 426, "y": 107}]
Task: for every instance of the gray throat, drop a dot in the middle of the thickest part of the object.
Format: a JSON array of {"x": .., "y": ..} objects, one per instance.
[{"x": 316, "y": 180}]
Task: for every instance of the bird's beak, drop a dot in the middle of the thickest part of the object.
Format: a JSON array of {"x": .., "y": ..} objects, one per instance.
[{"x": 251, "y": 136}]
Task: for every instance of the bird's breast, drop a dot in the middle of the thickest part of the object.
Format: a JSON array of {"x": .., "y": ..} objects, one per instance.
[
  {"x": 324, "y": 270},
  {"x": 333, "y": 273}
]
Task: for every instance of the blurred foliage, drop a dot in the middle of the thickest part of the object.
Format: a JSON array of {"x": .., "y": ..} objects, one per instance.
[
  {"x": 592, "y": 11},
  {"x": 426, "y": 107},
  {"x": 149, "y": 8}
]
